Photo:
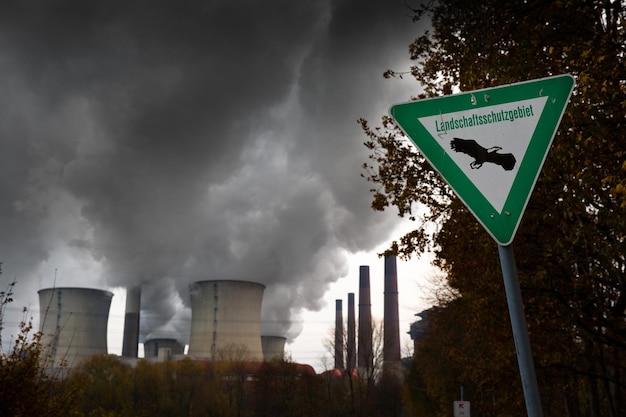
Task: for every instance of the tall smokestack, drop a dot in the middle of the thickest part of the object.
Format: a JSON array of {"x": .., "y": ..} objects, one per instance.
[
  {"x": 130, "y": 344},
  {"x": 391, "y": 323},
  {"x": 351, "y": 348},
  {"x": 365, "y": 357},
  {"x": 339, "y": 335}
]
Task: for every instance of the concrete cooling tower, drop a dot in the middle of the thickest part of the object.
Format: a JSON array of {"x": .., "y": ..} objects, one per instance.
[
  {"x": 273, "y": 347},
  {"x": 154, "y": 348},
  {"x": 226, "y": 320},
  {"x": 74, "y": 323}
]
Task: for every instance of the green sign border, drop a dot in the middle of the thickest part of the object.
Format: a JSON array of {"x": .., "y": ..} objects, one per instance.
[{"x": 501, "y": 226}]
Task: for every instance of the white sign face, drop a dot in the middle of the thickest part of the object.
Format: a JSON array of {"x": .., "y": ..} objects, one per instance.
[
  {"x": 461, "y": 409},
  {"x": 503, "y": 131},
  {"x": 489, "y": 145}
]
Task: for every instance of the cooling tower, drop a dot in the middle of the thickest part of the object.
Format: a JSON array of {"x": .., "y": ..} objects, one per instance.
[
  {"x": 273, "y": 347},
  {"x": 152, "y": 347},
  {"x": 74, "y": 323},
  {"x": 226, "y": 320},
  {"x": 130, "y": 344},
  {"x": 351, "y": 348},
  {"x": 339, "y": 335},
  {"x": 391, "y": 321},
  {"x": 365, "y": 356}
]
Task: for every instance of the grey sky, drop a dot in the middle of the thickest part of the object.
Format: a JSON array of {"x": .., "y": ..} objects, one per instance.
[{"x": 164, "y": 142}]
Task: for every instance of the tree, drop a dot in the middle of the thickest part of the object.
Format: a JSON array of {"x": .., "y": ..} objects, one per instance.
[
  {"x": 281, "y": 388},
  {"x": 570, "y": 244},
  {"x": 152, "y": 394},
  {"x": 234, "y": 360},
  {"x": 108, "y": 386},
  {"x": 195, "y": 388}
]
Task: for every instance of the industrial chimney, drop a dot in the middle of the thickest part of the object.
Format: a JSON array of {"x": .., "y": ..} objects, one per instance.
[
  {"x": 351, "y": 348},
  {"x": 130, "y": 344},
  {"x": 339, "y": 335},
  {"x": 73, "y": 322},
  {"x": 391, "y": 321},
  {"x": 365, "y": 361},
  {"x": 226, "y": 320}
]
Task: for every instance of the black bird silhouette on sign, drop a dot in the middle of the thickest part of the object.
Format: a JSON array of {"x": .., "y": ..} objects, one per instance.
[{"x": 482, "y": 155}]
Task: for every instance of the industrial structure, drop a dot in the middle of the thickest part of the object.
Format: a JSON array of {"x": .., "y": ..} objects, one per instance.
[
  {"x": 225, "y": 325},
  {"x": 273, "y": 347},
  {"x": 365, "y": 357},
  {"x": 351, "y": 347},
  {"x": 391, "y": 320},
  {"x": 73, "y": 322},
  {"x": 421, "y": 327},
  {"x": 130, "y": 343},
  {"x": 162, "y": 348},
  {"x": 226, "y": 320},
  {"x": 339, "y": 353}
]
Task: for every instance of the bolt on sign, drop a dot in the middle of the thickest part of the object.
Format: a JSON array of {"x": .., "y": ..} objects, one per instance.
[{"x": 489, "y": 145}]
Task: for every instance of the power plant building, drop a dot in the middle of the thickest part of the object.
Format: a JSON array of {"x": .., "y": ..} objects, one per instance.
[
  {"x": 153, "y": 348},
  {"x": 74, "y": 322},
  {"x": 226, "y": 320}
]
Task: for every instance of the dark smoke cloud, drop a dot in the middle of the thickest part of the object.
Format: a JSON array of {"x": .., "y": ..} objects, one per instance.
[{"x": 164, "y": 142}]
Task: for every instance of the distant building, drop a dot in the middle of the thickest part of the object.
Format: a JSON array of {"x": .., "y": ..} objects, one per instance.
[
  {"x": 419, "y": 328},
  {"x": 162, "y": 348}
]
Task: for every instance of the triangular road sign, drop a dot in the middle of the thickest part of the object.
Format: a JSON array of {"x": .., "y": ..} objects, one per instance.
[{"x": 489, "y": 145}]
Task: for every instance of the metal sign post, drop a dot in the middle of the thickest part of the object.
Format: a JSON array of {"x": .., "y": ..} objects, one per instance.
[{"x": 520, "y": 332}]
